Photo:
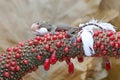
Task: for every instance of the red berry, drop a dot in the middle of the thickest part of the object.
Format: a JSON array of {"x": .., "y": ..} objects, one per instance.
[
  {"x": 46, "y": 64},
  {"x": 67, "y": 36},
  {"x": 57, "y": 33},
  {"x": 8, "y": 61},
  {"x": 98, "y": 43},
  {"x": 101, "y": 36},
  {"x": 45, "y": 42},
  {"x": 53, "y": 58},
  {"x": 17, "y": 68},
  {"x": 42, "y": 38},
  {"x": 64, "y": 33},
  {"x": 33, "y": 50},
  {"x": 7, "y": 65},
  {"x": 80, "y": 59},
  {"x": 9, "y": 53},
  {"x": 96, "y": 33},
  {"x": 38, "y": 38},
  {"x": 47, "y": 47},
  {"x": 102, "y": 47},
  {"x": 70, "y": 68},
  {"x": 30, "y": 43},
  {"x": 108, "y": 33},
  {"x": 107, "y": 65},
  {"x": 116, "y": 45},
  {"x": 95, "y": 47},
  {"x": 58, "y": 44},
  {"x": 18, "y": 55},
  {"x": 39, "y": 57},
  {"x": 118, "y": 36},
  {"x": 36, "y": 42},
  {"x": 25, "y": 62},
  {"x": 104, "y": 52},
  {"x": 9, "y": 56},
  {"x": 47, "y": 35},
  {"x": 15, "y": 49},
  {"x": 112, "y": 43},
  {"x": 6, "y": 74},
  {"x": 112, "y": 38},
  {"x": 19, "y": 51},
  {"x": 66, "y": 49},
  {"x": 48, "y": 38},
  {"x": 12, "y": 68},
  {"x": 54, "y": 37},
  {"x": 9, "y": 49},
  {"x": 100, "y": 31},
  {"x": 51, "y": 50},
  {"x": 35, "y": 68},
  {"x": 78, "y": 40},
  {"x": 60, "y": 36},
  {"x": 13, "y": 63},
  {"x": 119, "y": 43},
  {"x": 21, "y": 44}
]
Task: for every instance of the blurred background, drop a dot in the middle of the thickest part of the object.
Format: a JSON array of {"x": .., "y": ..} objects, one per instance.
[{"x": 16, "y": 17}]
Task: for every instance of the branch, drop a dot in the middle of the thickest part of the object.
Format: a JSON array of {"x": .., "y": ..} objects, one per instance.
[{"x": 26, "y": 56}]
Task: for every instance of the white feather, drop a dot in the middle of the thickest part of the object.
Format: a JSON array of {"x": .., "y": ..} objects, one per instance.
[
  {"x": 107, "y": 26},
  {"x": 87, "y": 40}
]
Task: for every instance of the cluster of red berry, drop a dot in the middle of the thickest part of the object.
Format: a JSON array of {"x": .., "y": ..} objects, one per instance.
[{"x": 26, "y": 56}]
